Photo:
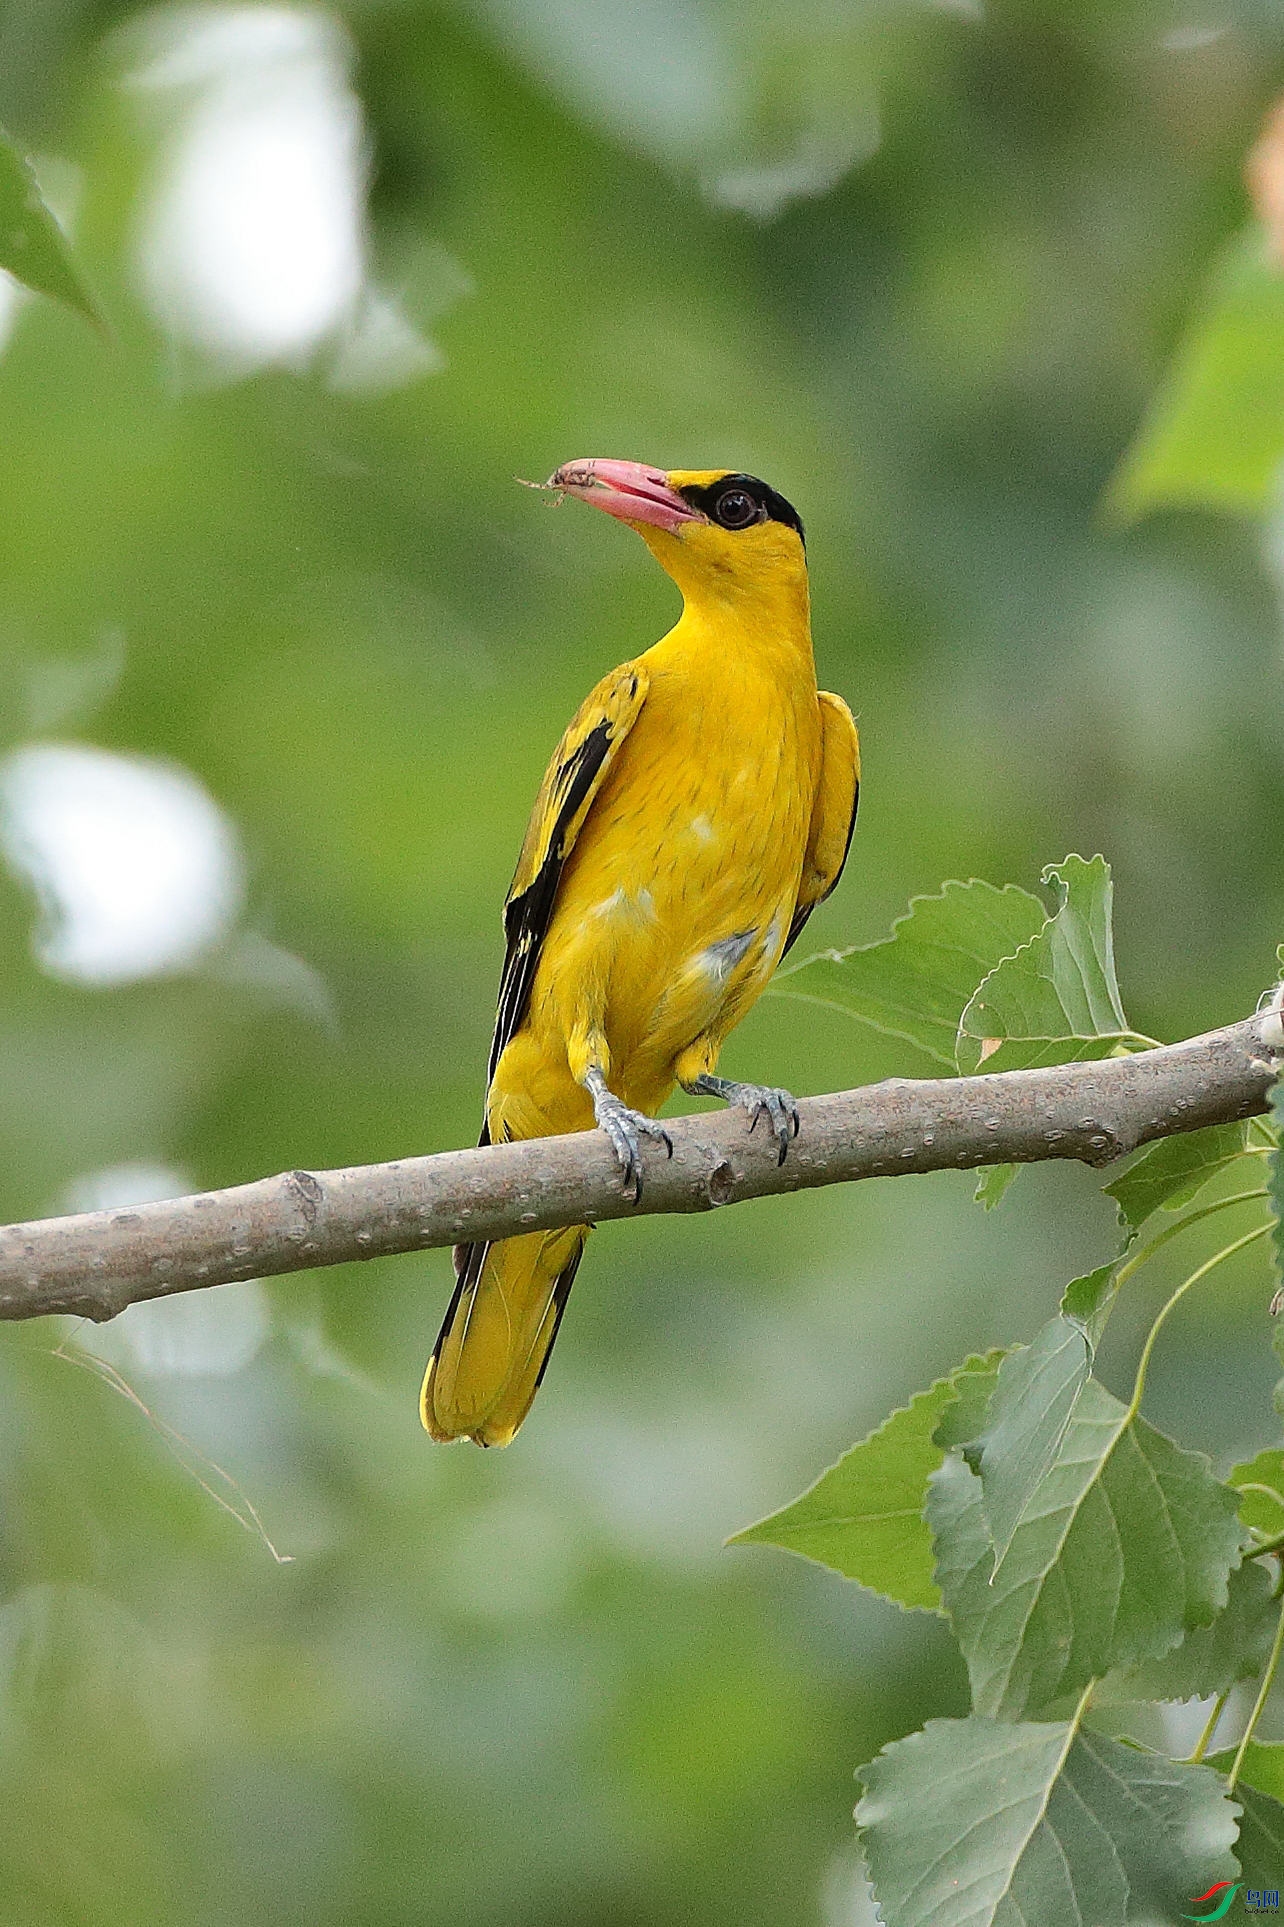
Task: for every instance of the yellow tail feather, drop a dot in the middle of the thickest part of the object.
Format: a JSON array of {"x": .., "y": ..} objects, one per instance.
[{"x": 497, "y": 1337}]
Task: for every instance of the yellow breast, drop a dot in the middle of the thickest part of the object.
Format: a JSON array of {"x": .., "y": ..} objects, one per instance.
[{"x": 677, "y": 899}]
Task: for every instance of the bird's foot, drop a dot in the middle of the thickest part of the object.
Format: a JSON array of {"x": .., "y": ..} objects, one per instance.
[
  {"x": 626, "y": 1128},
  {"x": 779, "y": 1107}
]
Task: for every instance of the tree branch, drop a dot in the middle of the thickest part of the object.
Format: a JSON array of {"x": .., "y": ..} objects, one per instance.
[{"x": 96, "y": 1264}]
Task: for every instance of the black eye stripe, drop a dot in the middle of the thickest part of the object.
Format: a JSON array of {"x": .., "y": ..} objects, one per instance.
[{"x": 770, "y": 507}]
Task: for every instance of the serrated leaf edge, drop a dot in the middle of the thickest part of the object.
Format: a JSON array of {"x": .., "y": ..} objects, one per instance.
[{"x": 975, "y": 1364}]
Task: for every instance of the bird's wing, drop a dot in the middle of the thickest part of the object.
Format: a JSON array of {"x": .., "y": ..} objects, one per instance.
[
  {"x": 833, "y": 816},
  {"x": 572, "y": 780}
]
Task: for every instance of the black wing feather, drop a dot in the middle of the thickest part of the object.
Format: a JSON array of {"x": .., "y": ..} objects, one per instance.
[
  {"x": 527, "y": 917},
  {"x": 526, "y": 920},
  {"x": 801, "y": 914}
]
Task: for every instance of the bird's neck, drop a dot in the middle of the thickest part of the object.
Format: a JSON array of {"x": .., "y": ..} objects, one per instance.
[{"x": 766, "y": 623}]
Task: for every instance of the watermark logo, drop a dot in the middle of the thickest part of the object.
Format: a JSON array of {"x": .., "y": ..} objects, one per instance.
[
  {"x": 1222, "y": 1895},
  {"x": 1257, "y": 1900}
]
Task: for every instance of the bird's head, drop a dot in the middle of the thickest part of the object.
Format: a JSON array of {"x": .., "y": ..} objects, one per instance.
[{"x": 717, "y": 532}]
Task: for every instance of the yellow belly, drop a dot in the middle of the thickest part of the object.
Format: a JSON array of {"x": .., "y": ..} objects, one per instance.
[{"x": 675, "y": 903}]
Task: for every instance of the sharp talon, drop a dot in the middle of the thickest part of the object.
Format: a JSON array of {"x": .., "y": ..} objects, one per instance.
[
  {"x": 625, "y": 1129},
  {"x": 758, "y": 1100},
  {"x": 779, "y": 1109}
]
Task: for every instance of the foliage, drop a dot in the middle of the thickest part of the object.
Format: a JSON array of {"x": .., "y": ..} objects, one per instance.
[
  {"x": 1040, "y": 1822},
  {"x": 1055, "y": 999},
  {"x": 1215, "y": 432},
  {"x": 978, "y": 977},
  {"x": 32, "y": 246},
  {"x": 984, "y": 978},
  {"x": 864, "y": 1516},
  {"x": 1169, "y": 1173},
  {"x": 1074, "y": 1546},
  {"x": 916, "y": 983}
]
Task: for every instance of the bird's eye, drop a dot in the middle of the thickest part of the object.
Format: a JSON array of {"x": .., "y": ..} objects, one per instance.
[{"x": 735, "y": 509}]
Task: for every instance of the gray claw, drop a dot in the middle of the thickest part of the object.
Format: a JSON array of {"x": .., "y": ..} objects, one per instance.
[
  {"x": 760, "y": 1100},
  {"x": 626, "y": 1128},
  {"x": 779, "y": 1109}
]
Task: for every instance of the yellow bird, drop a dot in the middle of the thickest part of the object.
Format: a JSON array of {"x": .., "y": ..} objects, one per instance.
[{"x": 694, "y": 814}]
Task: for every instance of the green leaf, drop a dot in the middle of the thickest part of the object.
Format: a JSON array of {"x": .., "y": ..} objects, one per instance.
[
  {"x": 1033, "y": 1400},
  {"x": 1168, "y": 1173},
  {"x": 1257, "y": 1509},
  {"x": 1214, "y": 436},
  {"x": 1263, "y": 1768},
  {"x": 1056, "y": 999},
  {"x": 915, "y": 983},
  {"x": 1259, "y": 1792},
  {"x": 964, "y": 1422},
  {"x": 975, "y": 1821},
  {"x": 1260, "y": 1847},
  {"x": 864, "y": 1516},
  {"x": 1126, "y": 1543},
  {"x": 1210, "y": 1659},
  {"x": 993, "y": 1183},
  {"x": 33, "y": 248},
  {"x": 1088, "y": 1301}
]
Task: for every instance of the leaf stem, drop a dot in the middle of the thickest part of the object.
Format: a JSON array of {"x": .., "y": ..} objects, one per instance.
[
  {"x": 1139, "y": 1258},
  {"x": 1201, "y": 1271},
  {"x": 1210, "y": 1727},
  {"x": 1264, "y": 1545},
  {"x": 1273, "y": 1542},
  {"x": 1268, "y": 1680},
  {"x": 1267, "y": 1491},
  {"x": 1085, "y": 1701}
]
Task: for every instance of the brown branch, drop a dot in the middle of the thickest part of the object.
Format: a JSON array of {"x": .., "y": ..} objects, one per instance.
[{"x": 96, "y": 1264}]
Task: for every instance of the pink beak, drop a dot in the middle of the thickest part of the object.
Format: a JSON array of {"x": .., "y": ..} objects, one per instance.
[{"x": 628, "y": 490}]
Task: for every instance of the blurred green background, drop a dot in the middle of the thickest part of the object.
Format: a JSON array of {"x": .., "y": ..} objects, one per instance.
[{"x": 283, "y": 651}]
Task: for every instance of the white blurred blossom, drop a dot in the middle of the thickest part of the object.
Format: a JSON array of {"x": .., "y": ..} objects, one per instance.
[{"x": 135, "y": 866}]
